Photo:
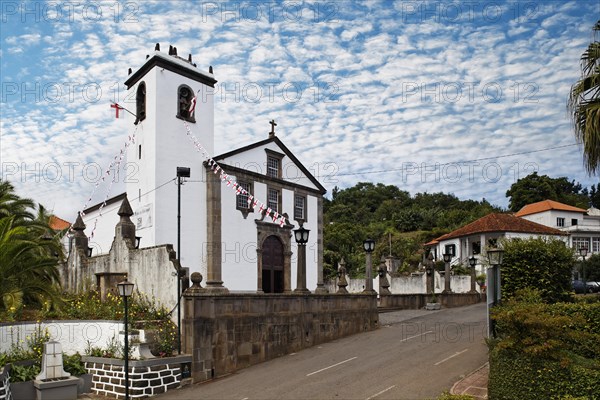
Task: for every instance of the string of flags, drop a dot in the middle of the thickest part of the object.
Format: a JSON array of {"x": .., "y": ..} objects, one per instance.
[
  {"x": 253, "y": 202},
  {"x": 115, "y": 165}
]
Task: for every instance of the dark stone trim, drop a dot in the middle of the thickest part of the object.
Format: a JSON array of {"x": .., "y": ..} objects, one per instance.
[
  {"x": 139, "y": 363},
  {"x": 267, "y": 180},
  {"x": 287, "y": 152},
  {"x": 108, "y": 202},
  {"x": 158, "y": 61}
]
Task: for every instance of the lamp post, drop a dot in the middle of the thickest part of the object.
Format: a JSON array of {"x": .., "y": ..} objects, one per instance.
[
  {"x": 301, "y": 235},
  {"x": 125, "y": 291},
  {"x": 369, "y": 246},
  {"x": 493, "y": 284},
  {"x": 472, "y": 264},
  {"x": 182, "y": 172},
  {"x": 447, "y": 260},
  {"x": 583, "y": 252}
]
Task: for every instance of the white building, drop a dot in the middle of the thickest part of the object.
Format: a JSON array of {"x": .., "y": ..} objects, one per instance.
[
  {"x": 225, "y": 232},
  {"x": 476, "y": 238},
  {"x": 582, "y": 226}
]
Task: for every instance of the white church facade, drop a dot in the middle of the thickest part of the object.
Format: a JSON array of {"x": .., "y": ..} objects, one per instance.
[{"x": 238, "y": 209}]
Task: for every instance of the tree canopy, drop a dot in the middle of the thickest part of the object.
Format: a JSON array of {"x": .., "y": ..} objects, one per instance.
[{"x": 534, "y": 188}]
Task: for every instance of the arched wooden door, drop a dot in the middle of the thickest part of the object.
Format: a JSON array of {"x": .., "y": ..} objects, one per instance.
[{"x": 272, "y": 265}]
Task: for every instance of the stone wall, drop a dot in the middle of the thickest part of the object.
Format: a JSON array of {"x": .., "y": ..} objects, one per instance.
[
  {"x": 227, "y": 332},
  {"x": 408, "y": 284},
  {"x": 417, "y": 301},
  {"x": 146, "y": 378}
]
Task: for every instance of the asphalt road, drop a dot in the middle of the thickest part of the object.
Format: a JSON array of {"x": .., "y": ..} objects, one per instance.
[{"x": 415, "y": 354}]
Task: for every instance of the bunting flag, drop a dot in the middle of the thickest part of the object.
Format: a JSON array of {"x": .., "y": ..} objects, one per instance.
[
  {"x": 114, "y": 164},
  {"x": 276, "y": 217},
  {"x": 193, "y": 106},
  {"x": 117, "y": 108}
]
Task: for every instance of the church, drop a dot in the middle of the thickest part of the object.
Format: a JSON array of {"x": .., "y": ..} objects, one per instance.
[{"x": 237, "y": 210}]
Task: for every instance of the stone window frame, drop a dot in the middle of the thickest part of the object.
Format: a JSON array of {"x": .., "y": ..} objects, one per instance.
[
  {"x": 273, "y": 156},
  {"x": 244, "y": 207},
  {"x": 140, "y": 103},
  {"x": 560, "y": 221},
  {"x": 270, "y": 190},
  {"x": 185, "y": 116},
  {"x": 301, "y": 218}
]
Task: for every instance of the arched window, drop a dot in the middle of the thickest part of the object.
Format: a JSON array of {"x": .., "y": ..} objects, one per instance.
[
  {"x": 184, "y": 99},
  {"x": 140, "y": 103}
]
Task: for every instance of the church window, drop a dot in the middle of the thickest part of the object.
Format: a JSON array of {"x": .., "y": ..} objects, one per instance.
[
  {"x": 273, "y": 198},
  {"x": 242, "y": 199},
  {"x": 185, "y": 95},
  {"x": 140, "y": 103},
  {"x": 140, "y": 152},
  {"x": 273, "y": 164},
  {"x": 299, "y": 208}
]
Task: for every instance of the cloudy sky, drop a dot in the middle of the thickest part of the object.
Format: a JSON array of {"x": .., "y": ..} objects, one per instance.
[{"x": 461, "y": 97}]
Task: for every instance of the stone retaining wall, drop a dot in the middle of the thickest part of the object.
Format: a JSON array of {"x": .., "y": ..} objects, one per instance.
[
  {"x": 146, "y": 378},
  {"x": 231, "y": 331}
]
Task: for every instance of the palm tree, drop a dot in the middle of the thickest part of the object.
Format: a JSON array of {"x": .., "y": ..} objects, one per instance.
[
  {"x": 29, "y": 254},
  {"x": 584, "y": 105}
]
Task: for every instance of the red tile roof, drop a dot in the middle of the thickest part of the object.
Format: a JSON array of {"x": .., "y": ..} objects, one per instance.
[
  {"x": 546, "y": 205},
  {"x": 58, "y": 224},
  {"x": 497, "y": 222}
]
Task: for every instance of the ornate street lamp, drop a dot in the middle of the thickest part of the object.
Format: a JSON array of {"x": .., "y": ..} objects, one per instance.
[
  {"x": 369, "y": 246},
  {"x": 301, "y": 235},
  {"x": 495, "y": 258},
  {"x": 182, "y": 172},
  {"x": 472, "y": 264},
  {"x": 125, "y": 291}
]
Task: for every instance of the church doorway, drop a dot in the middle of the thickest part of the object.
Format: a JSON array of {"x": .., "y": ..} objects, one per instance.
[{"x": 272, "y": 265}]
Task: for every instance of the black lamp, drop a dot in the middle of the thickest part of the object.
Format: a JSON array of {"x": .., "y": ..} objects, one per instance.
[
  {"x": 495, "y": 256},
  {"x": 125, "y": 291},
  {"x": 369, "y": 245},
  {"x": 447, "y": 257},
  {"x": 301, "y": 235},
  {"x": 472, "y": 262}
]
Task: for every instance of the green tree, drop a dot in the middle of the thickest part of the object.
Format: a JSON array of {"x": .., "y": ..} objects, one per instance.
[
  {"x": 592, "y": 268},
  {"x": 534, "y": 188},
  {"x": 584, "y": 104},
  {"x": 537, "y": 263}
]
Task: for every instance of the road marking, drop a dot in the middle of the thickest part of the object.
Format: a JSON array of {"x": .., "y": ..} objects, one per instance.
[
  {"x": 331, "y": 366},
  {"x": 412, "y": 337},
  {"x": 383, "y": 391},
  {"x": 453, "y": 355}
]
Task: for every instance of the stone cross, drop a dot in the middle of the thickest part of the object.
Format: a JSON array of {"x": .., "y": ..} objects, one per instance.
[
  {"x": 273, "y": 125},
  {"x": 342, "y": 283},
  {"x": 52, "y": 362}
]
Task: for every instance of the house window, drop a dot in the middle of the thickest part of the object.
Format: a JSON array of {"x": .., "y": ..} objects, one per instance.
[
  {"x": 560, "y": 222},
  {"x": 574, "y": 221},
  {"x": 581, "y": 242},
  {"x": 299, "y": 208},
  {"x": 476, "y": 247},
  {"x": 273, "y": 199},
  {"x": 184, "y": 100},
  {"x": 450, "y": 249},
  {"x": 273, "y": 164},
  {"x": 140, "y": 103},
  {"x": 242, "y": 199},
  {"x": 596, "y": 245}
]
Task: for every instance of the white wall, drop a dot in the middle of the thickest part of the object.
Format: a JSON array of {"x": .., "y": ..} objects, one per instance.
[{"x": 73, "y": 335}]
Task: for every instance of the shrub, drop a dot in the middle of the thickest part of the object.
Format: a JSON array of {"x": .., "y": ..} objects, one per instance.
[{"x": 537, "y": 263}]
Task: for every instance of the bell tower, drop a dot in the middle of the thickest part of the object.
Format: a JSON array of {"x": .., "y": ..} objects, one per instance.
[{"x": 163, "y": 90}]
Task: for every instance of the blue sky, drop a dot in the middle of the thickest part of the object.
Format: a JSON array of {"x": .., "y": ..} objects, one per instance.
[{"x": 423, "y": 95}]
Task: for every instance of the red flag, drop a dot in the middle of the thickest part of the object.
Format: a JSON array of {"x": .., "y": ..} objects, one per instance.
[{"x": 117, "y": 108}]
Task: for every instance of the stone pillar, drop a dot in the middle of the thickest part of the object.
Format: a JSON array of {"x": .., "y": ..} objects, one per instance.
[
  {"x": 301, "y": 270},
  {"x": 473, "y": 280},
  {"x": 125, "y": 228},
  {"x": 429, "y": 273},
  {"x": 447, "y": 278},
  {"x": 342, "y": 282},
  {"x": 369, "y": 278},
  {"x": 321, "y": 289},
  {"x": 384, "y": 284},
  {"x": 81, "y": 241},
  {"x": 214, "y": 279}
]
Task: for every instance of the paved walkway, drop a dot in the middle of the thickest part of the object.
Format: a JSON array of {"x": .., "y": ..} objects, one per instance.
[{"x": 474, "y": 384}]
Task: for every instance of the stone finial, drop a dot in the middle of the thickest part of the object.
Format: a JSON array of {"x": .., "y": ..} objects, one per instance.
[
  {"x": 190, "y": 58},
  {"x": 196, "y": 278},
  {"x": 125, "y": 228},
  {"x": 273, "y": 125},
  {"x": 79, "y": 225},
  {"x": 129, "y": 71},
  {"x": 157, "y": 47},
  {"x": 125, "y": 209},
  {"x": 384, "y": 283},
  {"x": 81, "y": 241},
  {"x": 342, "y": 282},
  {"x": 210, "y": 69}
]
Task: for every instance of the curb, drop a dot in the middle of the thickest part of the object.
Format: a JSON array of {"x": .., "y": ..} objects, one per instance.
[{"x": 473, "y": 383}]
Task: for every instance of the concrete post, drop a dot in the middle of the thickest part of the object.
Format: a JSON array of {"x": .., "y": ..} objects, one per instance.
[
  {"x": 447, "y": 278},
  {"x": 369, "y": 278}
]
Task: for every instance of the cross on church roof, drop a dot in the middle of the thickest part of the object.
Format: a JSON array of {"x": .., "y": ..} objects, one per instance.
[{"x": 273, "y": 125}]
